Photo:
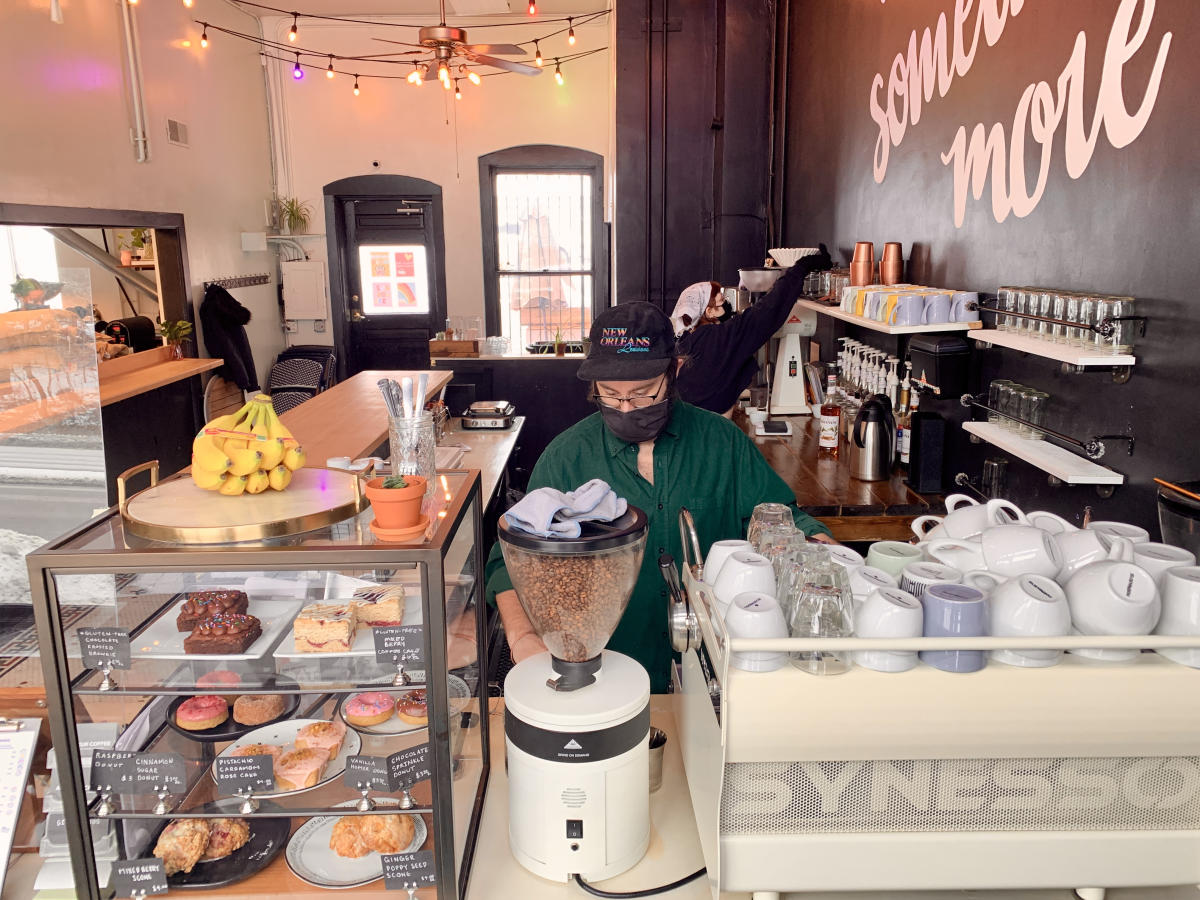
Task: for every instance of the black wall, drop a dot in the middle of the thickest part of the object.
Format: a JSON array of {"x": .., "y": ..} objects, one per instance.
[
  {"x": 693, "y": 136},
  {"x": 1127, "y": 225}
]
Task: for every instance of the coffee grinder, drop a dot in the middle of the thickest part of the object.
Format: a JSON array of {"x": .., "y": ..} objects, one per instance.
[{"x": 577, "y": 719}]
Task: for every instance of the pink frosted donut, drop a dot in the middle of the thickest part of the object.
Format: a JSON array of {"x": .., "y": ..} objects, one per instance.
[
  {"x": 372, "y": 708},
  {"x": 199, "y": 713}
]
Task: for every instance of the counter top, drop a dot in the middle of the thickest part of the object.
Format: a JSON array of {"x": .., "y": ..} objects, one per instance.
[
  {"x": 854, "y": 510},
  {"x": 350, "y": 418},
  {"x": 137, "y": 373},
  {"x": 503, "y": 357},
  {"x": 488, "y": 450}
]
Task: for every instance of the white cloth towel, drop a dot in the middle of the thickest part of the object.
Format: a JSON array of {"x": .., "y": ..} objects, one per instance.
[{"x": 548, "y": 512}]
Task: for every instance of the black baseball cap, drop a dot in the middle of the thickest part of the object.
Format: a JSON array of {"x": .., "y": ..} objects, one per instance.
[{"x": 632, "y": 341}]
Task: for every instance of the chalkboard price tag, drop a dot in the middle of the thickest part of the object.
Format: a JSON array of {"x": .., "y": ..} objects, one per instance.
[
  {"x": 139, "y": 877},
  {"x": 410, "y": 766},
  {"x": 243, "y": 774},
  {"x": 112, "y": 770},
  {"x": 364, "y": 772},
  {"x": 400, "y": 645},
  {"x": 153, "y": 772},
  {"x": 403, "y": 870},
  {"x": 104, "y": 648}
]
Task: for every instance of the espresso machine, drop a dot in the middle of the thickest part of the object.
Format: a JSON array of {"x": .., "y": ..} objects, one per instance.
[{"x": 577, "y": 718}]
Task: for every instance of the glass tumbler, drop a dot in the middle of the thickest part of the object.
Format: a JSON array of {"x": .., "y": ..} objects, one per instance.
[
  {"x": 995, "y": 476},
  {"x": 1071, "y": 314},
  {"x": 766, "y": 514},
  {"x": 994, "y": 399},
  {"x": 1058, "y": 310},
  {"x": 413, "y": 448},
  {"x": 1114, "y": 308},
  {"x": 1034, "y": 405},
  {"x": 1026, "y": 302},
  {"x": 1010, "y": 404},
  {"x": 1045, "y": 308},
  {"x": 1006, "y": 298},
  {"x": 1085, "y": 315},
  {"x": 779, "y": 543},
  {"x": 1024, "y": 401},
  {"x": 822, "y": 608}
]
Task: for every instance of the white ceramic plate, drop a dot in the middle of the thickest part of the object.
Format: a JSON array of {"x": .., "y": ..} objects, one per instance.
[
  {"x": 163, "y": 640},
  {"x": 364, "y": 639},
  {"x": 309, "y": 857},
  {"x": 459, "y": 695},
  {"x": 283, "y": 734}
]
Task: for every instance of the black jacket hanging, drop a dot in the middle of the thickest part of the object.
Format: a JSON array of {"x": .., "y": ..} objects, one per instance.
[{"x": 223, "y": 321}]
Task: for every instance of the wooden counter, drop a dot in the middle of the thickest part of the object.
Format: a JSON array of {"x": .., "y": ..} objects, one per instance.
[
  {"x": 854, "y": 510},
  {"x": 350, "y": 418},
  {"x": 138, "y": 373}
]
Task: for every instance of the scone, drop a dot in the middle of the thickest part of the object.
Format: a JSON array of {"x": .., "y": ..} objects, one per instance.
[
  {"x": 325, "y": 736},
  {"x": 257, "y": 709},
  {"x": 379, "y": 606},
  {"x": 356, "y": 836},
  {"x": 225, "y": 836},
  {"x": 300, "y": 769},
  {"x": 325, "y": 628},
  {"x": 181, "y": 844}
]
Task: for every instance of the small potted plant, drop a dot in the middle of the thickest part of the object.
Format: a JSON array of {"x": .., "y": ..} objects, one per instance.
[
  {"x": 294, "y": 215},
  {"x": 142, "y": 243},
  {"x": 396, "y": 500},
  {"x": 560, "y": 346},
  {"x": 125, "y": 248},
  {"x": 175, "y": 334}
]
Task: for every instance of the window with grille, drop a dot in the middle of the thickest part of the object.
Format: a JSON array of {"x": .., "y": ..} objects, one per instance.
[{"x": 544, "y": 241}]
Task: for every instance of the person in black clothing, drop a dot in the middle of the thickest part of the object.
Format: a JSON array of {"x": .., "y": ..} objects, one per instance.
[{"x": 717, "y": 360}]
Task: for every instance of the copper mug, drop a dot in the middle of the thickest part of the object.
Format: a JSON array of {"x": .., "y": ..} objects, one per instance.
[
  {"x": 864, "y": 251},
  {"x": 862, "y": 272},
  {"x": 891, "y": 271},
  {"x": 892, "y": 250}
]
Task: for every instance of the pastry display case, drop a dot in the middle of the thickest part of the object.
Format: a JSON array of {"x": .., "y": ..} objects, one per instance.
[{"x": 279, "y": 716}]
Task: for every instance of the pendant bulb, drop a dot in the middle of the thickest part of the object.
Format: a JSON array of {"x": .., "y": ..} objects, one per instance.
[
  {"x": 558, "y": 76},
  {"x": 457, "y": 90},
  {"x": 204, "y": 36},
  {"x": 294, "y": 33},
  {"x": 356, "y": 86},
  {"x": 297, "y": 72},
  {"x": 329, "y": 72},
  {"x": 532, "y": 8},
  {"x": 537, "y": 55},
  {"x": 189, "y": 3},
  {"x": 570, "y": 32},
  {"x": 474, "y": 78}
]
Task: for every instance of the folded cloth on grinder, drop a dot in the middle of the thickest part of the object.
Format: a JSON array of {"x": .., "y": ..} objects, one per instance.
[{"x": 550, "y": 513}]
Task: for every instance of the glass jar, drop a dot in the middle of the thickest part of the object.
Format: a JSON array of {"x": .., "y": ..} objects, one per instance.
[{"x": 413, "y": 448}]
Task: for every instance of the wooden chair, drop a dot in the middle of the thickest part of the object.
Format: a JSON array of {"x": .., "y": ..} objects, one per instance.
[{"x": 221, "y": 396}]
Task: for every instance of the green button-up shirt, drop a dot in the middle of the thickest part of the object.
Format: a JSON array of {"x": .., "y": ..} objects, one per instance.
[{"x": 701, "y": 461}]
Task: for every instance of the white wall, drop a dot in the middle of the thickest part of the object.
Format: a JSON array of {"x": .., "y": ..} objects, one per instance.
[
  {"x": 64, "y": 132},
  {"x": 324, "y": 132}
]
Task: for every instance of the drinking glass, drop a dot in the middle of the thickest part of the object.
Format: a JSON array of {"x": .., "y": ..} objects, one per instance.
[
  {"x": 1006, "y": 298},
  {"x": 768, "y": 514},
  {"x": 1113, "y": 308},
  {"x": 413, "y": 448},
  {"x": 1071, "y": 314},
  {"x": 822, "y": 608},
  {"x": 1058, "y": 309},
  {"x": 1024, "y": 401},
  {"x": 1085, "y": 315},
  {"x": 995, "y": 474},
  {"x": 779, "y": 543},
  {"x": 1035, "y": 412},
  {"x": 1026, "y": 303},
  {"x": 1045, "y": 307},
  {"x": 1010, "y": 403},
  {"x": 994, "y": 399}
]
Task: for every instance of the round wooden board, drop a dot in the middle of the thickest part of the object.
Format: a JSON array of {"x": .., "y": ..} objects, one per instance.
[{"x": 179, "y": 512}]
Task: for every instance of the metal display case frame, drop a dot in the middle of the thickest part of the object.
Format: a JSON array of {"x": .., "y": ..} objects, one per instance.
[{"x": 59, "y": 557}]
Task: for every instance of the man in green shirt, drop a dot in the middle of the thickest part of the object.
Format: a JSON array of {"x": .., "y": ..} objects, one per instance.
[{"x": 660, "y": 454}]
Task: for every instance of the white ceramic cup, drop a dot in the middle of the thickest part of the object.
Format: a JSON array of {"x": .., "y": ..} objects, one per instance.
[
  {"x": 1082, "y": 547},
  {"x": 917, "y": 577},
  {"x": 1013, "y": 550},
  {"x": 929, "y": 527},
  {"x": 756, "y": 416},
  {"x": 1181, "y": 612},
  {"x": 1135, "y": 533},
  {"x": 1158, "y": 559},
  {"x": 756, "y": 615},
  {"x": 1051, "y": 522},
  {"x": 1028, "y": 606},
  {"x": 964, "y": 554},
  {"x": 845, "y": 557},
  {"x": 970, "y": 521},
  {"x": 892, "y": 556},
  {"x": 865, "y": 580},
  {"x": 1112, "y": 597},
  {"x": 983, "y": 580},
  {"x": 888, "y": 613},
  {"x": 743, "y": 571},
  {"x": 718, "y": 553}
]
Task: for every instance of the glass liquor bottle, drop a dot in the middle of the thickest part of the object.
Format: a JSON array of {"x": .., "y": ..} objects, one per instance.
[{"x": 831, "y": 421}]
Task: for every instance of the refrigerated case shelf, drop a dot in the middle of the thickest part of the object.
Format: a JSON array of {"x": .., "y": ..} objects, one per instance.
[
  {"x": 1051, "y": 458},
  {"x": 1066, "y": 353},
  {"x": 837, "y": 313}
]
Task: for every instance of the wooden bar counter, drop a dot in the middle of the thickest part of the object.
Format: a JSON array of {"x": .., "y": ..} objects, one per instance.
[{"x": 854, "y": 510}]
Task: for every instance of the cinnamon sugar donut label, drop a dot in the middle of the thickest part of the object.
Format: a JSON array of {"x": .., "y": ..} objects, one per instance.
[
  {"x": 411, "y": 765},
  {"x": 153, "y": 772}
]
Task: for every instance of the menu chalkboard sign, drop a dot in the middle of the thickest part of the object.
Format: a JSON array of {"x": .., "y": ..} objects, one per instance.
[
  {"x": 104, "y": 648},
  {"x": 410, "y": 766},
  {"x": 152, "y": 772},
  {"x": 404, "y": 870},
  {"x": 139, "y": 877},
  {"x": 243, "y": 774},
  {"x": 364, "y": 772},
  {"x": 111, "y": 770},
  {"x": 400, "y": 645}
]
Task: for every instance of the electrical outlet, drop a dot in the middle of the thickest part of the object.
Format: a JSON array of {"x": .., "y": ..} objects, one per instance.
[
  {"x": 290, "y": 327},
  {"x": 319, "y": 326}
]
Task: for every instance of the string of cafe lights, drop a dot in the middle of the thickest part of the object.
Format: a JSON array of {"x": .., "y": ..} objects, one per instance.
[{"x": 450, "y": 80}]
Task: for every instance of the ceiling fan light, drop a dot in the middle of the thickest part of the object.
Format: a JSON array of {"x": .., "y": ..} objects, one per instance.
[
  {"x": 474, "y": 78},
  {"x": 532, "y": 8}
]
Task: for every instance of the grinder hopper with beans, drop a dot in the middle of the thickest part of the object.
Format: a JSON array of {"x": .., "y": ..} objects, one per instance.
[{"x": 577, "y": 719}]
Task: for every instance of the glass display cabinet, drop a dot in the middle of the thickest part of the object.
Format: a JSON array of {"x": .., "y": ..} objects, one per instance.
[{"x": 311, "y": 763}]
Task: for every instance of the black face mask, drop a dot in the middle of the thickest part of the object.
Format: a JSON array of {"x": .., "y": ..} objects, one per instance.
[{"x": 638, "y": 425}]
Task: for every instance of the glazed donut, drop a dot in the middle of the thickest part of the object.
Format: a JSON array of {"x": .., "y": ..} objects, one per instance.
[
  {"x": 372, "y": 708},
  {"x": 413, "y": 708},
  {"x": 200, "y": 713}
]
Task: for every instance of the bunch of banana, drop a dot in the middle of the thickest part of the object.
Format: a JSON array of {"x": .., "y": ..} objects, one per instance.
[{"x": 245, "y": 452}]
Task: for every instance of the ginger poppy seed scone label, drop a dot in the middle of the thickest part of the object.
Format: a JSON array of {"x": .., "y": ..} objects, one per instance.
[{"x": 404, "y": 870}]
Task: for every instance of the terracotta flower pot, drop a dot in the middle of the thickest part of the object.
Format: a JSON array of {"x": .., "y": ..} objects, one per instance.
[{"x": 396, "y": 508}]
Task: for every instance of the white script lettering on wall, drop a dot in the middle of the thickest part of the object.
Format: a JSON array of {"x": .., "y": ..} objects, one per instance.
[
  {"x": 914, "y": 74},
  {"x": 1042, "y": 109}
]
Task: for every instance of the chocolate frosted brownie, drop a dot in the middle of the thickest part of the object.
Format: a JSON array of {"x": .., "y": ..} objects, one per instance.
[
  {"x": 199, "y": 605},
  {"x": 223, "y": 633}
]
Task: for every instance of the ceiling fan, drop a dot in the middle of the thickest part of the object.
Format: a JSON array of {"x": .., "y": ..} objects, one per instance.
[{"x": 447, "y": 42}]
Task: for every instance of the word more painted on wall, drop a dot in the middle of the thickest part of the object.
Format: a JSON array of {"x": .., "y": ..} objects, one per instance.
[{"x": 939, "y": 55}]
